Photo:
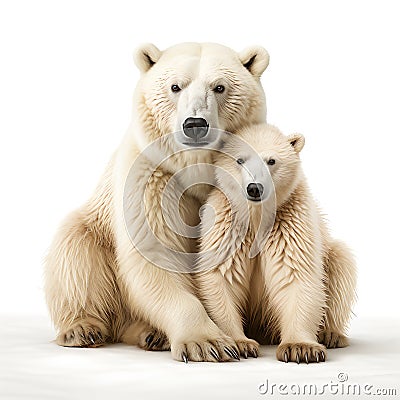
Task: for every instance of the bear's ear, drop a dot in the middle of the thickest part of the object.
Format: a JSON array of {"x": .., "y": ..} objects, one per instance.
[
  {"x": 255, "y": 59},
  {"x": 297, "y": 141},
  {"x": 146, "y": 56}
]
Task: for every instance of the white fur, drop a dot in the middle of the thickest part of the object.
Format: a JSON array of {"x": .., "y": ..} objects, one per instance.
[
  {"x": 97, "y": 282},
  {"x": 300, "y": 288}
]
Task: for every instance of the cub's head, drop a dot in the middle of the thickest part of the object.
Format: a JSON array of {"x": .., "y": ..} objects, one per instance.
[
  {"x": 261, "y": 159},
  {"x": 196, "y": 89}
]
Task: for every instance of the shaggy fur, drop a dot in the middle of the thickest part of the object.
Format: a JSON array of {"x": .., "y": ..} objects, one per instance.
[
  {"x": 99, "y": 287},
  {"x": 301, "y": 286}
]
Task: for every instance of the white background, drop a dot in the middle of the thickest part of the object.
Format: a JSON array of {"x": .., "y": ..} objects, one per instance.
[{"x": 66, "y": 80}]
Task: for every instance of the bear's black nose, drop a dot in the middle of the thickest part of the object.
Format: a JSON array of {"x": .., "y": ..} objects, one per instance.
[
  {"x": 195, "y": 128},
  {"x": 255, "y": 191}
]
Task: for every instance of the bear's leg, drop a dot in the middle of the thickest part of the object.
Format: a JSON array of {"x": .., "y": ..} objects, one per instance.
[
  {"x": 226, "y": 302},
  {"x": 341, "y": 293},
  {"x": 297, "y": 299},
  {"x": 140, "y": 333},
  {"x": 81, "y": 290},
  {"x": 166, "y": 300}
]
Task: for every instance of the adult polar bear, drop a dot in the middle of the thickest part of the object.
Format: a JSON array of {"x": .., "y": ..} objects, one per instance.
[{"x": 98, "y": 286}]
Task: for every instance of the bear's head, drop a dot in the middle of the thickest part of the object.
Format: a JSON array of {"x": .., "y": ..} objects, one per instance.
[
  {"x": 195, "y": 90},
  {"x": 261, "y": 160}
]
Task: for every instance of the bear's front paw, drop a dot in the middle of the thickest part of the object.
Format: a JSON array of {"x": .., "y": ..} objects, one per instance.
[
  {"x": 212, "y": 349},
  {"x": 247, "y": 347},
  {"x": 301, "y": 352}
]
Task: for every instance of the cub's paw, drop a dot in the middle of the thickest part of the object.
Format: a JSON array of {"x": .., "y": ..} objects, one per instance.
[
  {"x": 332, "y": 339},
  {"x": 301, "y": 352},
  {"x": 247, "y": 347},
  {"x": 84, "y": 333},
  {"x": 213, "y": 349},
  {"x": 153, "y": 340}
]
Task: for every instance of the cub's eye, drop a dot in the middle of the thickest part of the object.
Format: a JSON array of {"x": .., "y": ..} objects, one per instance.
[
  {"x": 219, "y": 88},
  {"x": 271, "y": 161},
  {"x": 240, "y": 161},
  {"x": 175, "y": 88}
]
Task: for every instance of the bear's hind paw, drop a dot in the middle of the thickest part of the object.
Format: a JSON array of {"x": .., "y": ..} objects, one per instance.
[{"x": 83, "y": 334}]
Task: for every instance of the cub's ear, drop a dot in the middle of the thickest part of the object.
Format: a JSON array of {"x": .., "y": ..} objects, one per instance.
[
  {"x": 146, "y": 56},
  {"x": 255, "y": 59},
  {"x": 297, "y": 141}
]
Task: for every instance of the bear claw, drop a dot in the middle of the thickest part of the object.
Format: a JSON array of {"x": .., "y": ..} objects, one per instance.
[
  {"x": 215, "y": 354},
  {"x": 301, "y": 352},
  {"x": 232, "y": 353}
]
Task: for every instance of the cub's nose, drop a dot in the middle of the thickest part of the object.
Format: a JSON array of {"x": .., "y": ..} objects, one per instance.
[
  {"x": 195, "y": 128},
  {"x": 255, "y": 191}
]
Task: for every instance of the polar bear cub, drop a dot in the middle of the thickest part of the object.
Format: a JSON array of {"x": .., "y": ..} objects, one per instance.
[{"x": 299, "y": 289}]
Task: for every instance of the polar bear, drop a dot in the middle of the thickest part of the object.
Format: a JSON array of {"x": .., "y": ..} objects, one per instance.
[
  {"x": 298, "y": 291},
  {"x": 99, "y": 287}
]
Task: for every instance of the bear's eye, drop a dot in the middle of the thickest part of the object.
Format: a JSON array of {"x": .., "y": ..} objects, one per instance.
[
  {"x": 175, "y": 88},
  {"x": 219, "y": 89},
  {"x": 240, "y": 161},
  {"x": 271, "y": 161}
]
